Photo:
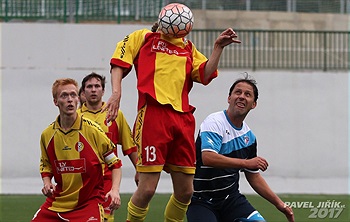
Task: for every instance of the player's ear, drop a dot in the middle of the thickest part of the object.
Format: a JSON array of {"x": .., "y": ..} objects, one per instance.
[
  {"x": 55, "y": 102},
  {"x": 255, "y": 103}
]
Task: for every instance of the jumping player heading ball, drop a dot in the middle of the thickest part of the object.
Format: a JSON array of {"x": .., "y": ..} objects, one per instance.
[
  {"x": 175, "y": 20},
  {"x": 166, "y": 67}
]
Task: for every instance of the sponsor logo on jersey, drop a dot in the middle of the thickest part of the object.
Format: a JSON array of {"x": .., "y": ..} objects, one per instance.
[
  {"x": 170, "y": 49},
  {"x": 79, "y": 146},
  {"x": 66, "y": 148},
  {"x": 92, "y": 219},
  {"x": 70, "y": 166},
  {"x": 108, "y": 124},
  {"x": 246, "y": 139},
  {"x": 210, "y": 141},
  {"x": 139, "y": 124},
  {"x": 122, "y": 49}
]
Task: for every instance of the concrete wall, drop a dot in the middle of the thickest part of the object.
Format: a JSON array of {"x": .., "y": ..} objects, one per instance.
[
  {"x": 301, "y": 120},
  {"x": 217, "y": 19}
]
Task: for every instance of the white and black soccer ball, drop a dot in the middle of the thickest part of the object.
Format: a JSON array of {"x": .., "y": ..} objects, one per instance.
[{"x": 175, "y": 20}]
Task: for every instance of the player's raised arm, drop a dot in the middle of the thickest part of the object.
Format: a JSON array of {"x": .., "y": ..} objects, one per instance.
[
  {"x": 225, "y": 38},
  {"x": 113, "y": 102}
]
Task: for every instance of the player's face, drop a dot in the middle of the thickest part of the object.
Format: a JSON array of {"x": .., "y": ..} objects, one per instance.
[
  {"x": 93, "y": 91},
  {"x": 241, "y": 100},
  {"x": 67, "y": 99}
]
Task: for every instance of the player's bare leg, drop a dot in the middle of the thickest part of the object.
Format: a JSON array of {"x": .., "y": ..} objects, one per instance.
[
  {"x": 138, "y": 204},
  {"x": 179, "y": 201}
]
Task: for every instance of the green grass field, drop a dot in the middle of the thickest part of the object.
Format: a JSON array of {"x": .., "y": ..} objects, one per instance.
[{"x": 21, "y": 208}]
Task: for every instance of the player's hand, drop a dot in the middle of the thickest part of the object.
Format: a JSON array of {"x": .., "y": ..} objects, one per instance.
[
  {"x": 227, "y": 37},
  {"x": 48, "y": 189},
  {"x": 257, "y": 163},
  {"x": 115, "y": 200},
  {"x": 288, "y": 211},
  {"x": 112, "y": 107}
]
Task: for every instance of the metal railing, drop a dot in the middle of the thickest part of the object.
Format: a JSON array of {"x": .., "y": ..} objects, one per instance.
[
  {"x": 80, "y": 10},
  {"x": 147, "y": 10},
  {"x": 263, "y": 49},
  {"x": 260, "y": 49}
]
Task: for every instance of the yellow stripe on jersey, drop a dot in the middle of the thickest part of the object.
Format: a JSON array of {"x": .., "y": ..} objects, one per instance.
[
  {"x": 167, "y": 87},
  {"x": 117, "y": 130},
  {"x": 166, "y": 67}
]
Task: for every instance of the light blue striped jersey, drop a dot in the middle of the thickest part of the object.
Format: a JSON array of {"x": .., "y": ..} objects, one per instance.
[{"x": 218, "y": 134}]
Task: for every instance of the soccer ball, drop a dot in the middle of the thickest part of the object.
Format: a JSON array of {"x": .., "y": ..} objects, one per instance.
[{"x": 175, "y": 20}]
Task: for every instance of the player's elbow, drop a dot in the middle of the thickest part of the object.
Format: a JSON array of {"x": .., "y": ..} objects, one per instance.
[{"x": 207, "y": 159}]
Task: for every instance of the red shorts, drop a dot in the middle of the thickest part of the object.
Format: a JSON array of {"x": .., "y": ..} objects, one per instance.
[
  {"x": 92, "y": 211},
  {"x": 165, "y": 139}
]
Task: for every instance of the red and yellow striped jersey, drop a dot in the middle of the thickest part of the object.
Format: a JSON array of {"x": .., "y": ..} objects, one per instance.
[
  {"x": 165, "y": 67},
  {"x": 117, "y": 130},
  {"x": 75, "y": 159}
]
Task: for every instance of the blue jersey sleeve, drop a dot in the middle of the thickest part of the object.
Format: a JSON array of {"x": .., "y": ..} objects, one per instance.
[{"x": 211, "y": 141}]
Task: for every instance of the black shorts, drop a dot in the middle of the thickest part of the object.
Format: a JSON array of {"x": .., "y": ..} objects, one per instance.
[{"x": 219, "y": 210}]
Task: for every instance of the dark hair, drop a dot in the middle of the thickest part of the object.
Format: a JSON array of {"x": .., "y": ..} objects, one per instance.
[
  {"x": 247, "y": 79},
  {"x": 80, "y": 91},
  {"x": 155, "y": 27},
  {"x": 94, "y": 75}
]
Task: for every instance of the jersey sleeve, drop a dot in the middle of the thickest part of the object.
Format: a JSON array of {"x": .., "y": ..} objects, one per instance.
[
  {"x": 112, "y": 160},
  {"x": 105, "y": 147},
  {"x": 110, "y": 154},
  {"x": 252, "y": 151},
  {"x": 127, "y": 49},
  {"x": 125, "y": 137},
  {"x": 211, "y": 136},
  {"x": 199, "y": 62},
  {"x": 45, "y": 165}
]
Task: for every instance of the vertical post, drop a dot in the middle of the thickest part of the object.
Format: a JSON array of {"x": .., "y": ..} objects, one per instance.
[
  {"x": 324, "y": 51},
  {"x": 254, "y": 50},
  {"x": 293, "y": 5},
  {"x": 348, "y": 66},
  {"x": 342, "y": 7},
  {"x": 118, "y": 9},
  {"x": 69, "y": 11},
  {"x": 137, "y": 10},
  {"x": 42, "y": 9},
  {"x": 71, "y": 15},
  {"x": 65, "y": 11},
  {"x": 6, "y": 11},
  {"x": 248, "y": 5},
  {"x": 289, "y": 5},
  {"x": 161, "y": 4}
]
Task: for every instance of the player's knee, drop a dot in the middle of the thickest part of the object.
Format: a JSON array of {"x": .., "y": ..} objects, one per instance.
[
  {"x": 148, "y": 193},
  {"x": 184, "y": 196},
  {"x": 188, "y": 194}
]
